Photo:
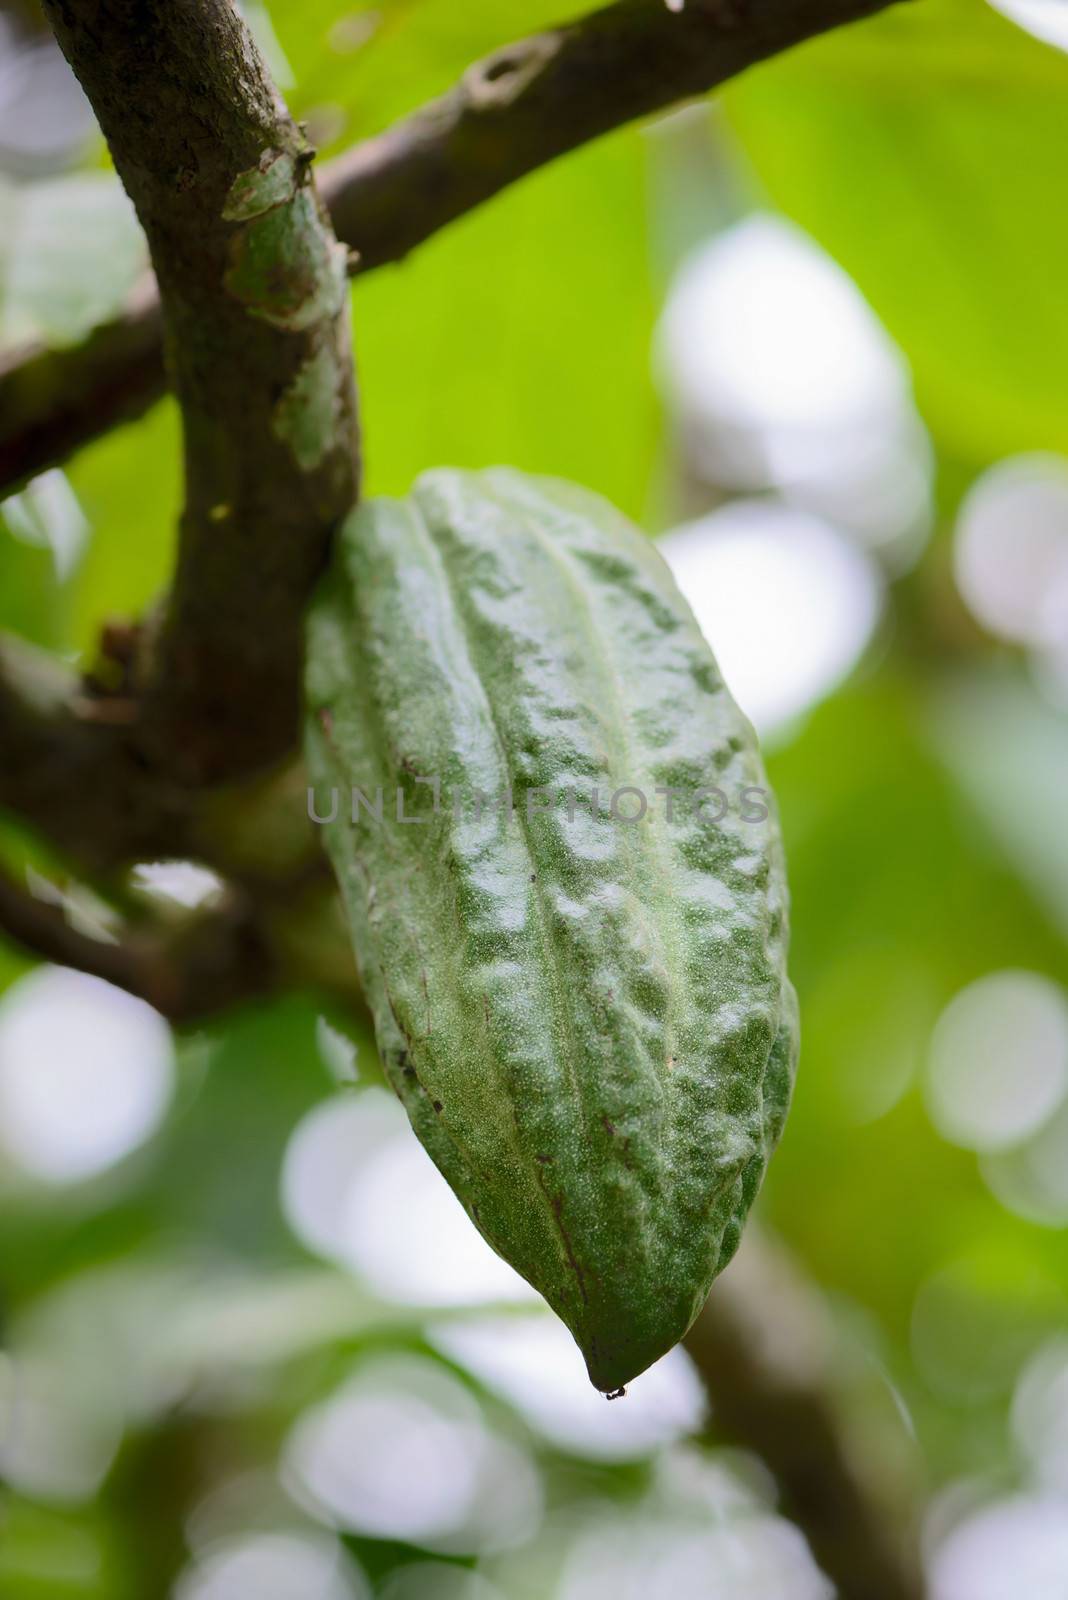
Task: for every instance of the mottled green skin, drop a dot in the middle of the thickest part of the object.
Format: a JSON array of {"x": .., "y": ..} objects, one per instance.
[{"x": 589, "y": 1022}]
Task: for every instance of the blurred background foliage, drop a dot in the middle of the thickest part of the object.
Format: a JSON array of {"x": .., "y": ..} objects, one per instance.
[{"x": 812, "y": 334}]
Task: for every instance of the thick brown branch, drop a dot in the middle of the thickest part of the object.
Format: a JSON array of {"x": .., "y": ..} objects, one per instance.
[
  {"x": 520, "y": 108},
  {"x": 764, "y": 1349},
  {"x": 252, "y": 284}
]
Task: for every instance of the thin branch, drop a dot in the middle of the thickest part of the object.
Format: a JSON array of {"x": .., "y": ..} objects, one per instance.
[
  {"x": 72, "y": 771},
  {"x": 255, "y": 315},
  {"x": 530, "y": 102},
  {"x": 40, "y": 927},
  {"x": 520, "y": 108},
  {"x": 219, "y": 959},
  {"x": 54, "y": 401},
  {"x": 765, "y": 1351}
]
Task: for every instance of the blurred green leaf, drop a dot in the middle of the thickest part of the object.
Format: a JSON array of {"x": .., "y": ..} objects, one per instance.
[
  {"x": 29, "y": 594},
  {"x": 70, "y": 252},
  {"x": 899, "y": 898},
  {"x": 129, "y": 486},
  {"x": 48, "y": 1554},
  {"x": 520, "y": 336},
  {"x": 1009, "y": 751},
  {"x": 926, "y": 151},
  {"x": 375, "y": 60},
  {"x": 122, "y": 495}
]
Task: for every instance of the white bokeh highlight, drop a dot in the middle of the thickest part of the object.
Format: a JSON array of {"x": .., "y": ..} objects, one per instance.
[
  {"x": 358, "y": 1187},
  {"x": 787, "y": 604},
  {"x": 755, "y": 1557},
  {"x": 47, "y": 513},
  {"x": 780, "y": 376},
  {"x": 1011, "y": 549},
  {"x": 1012, "y": 1549},
  {"x": 57, "y": 1440},
  {"x": 998, "y": 1063},
  {"x": 761, "y": 326},
  {"x": 1046, "y": 19},
  {"x": 1031, "y": 1179},
  {"x": 534, "y": 1364},
  {"x": 1040, "y": 1416},
  {"x": 273, "y": 1566},
  {"x": 86, "y": 1074},
  {"x": 402, "y": 1452},
  {"x": 182, "y": 883}
]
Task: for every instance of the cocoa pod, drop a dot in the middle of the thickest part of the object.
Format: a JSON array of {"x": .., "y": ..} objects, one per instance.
[{"x": 587, "y": 1018}]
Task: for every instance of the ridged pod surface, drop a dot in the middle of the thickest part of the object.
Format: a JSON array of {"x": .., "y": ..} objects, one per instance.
[{"x": 587, "y": 1019}]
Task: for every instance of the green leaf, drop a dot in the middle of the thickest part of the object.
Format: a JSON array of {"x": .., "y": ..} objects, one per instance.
[
  {"x": 70, "y": 252},
  {"x": 926, "y": 151},
  {"x": 129, "y": 486},
  {"x": 520, "y": 335},
  {"x": 372, "y": 62}
]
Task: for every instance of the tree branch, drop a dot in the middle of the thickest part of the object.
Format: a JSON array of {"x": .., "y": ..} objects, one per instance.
[
  {"x": 765, "y": 1351},
  {"x": 252, "y": 284},
  {"x": 530, "y": 102},
  {"x": 520, "y": 108},
  {"x": 54, "y": 401},
  {"x": 220, "y": 958},
  {"x": 72, "y": 770}
]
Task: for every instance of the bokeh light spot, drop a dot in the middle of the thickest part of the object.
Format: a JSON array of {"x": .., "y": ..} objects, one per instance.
[
  {"x": 273, "y": 1566},
  {"x": 754, "y": 1557},
  {"x": 86, "y": 1074},
  {"x": 402, "y": 1452},
  {"x": 786, "y": 603},
  {"x": 998, "y": 1065},
  {"x": 1014, "y": 1549},
  {"x": 533, "y": 1362},
  {"x": 1040, "y": 1415},
  {"x": 1046, "y": 19},
  {"x": 976, "y": 1320},
  {"x": 763, "y": 327},
  {"x": 359, "y": 1187},
  {"x": 183, "y": 883},
  {"x": 1011, "y": 549},
  {"x": 1031, "y": 1179},
  {"x": 780, "y": 376}
]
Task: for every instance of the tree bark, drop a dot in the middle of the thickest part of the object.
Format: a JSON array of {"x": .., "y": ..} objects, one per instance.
[{"x": 252, "y": 283}]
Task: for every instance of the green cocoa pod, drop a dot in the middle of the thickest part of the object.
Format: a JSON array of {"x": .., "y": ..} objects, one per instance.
[{"x": 587, "y": 1018}]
